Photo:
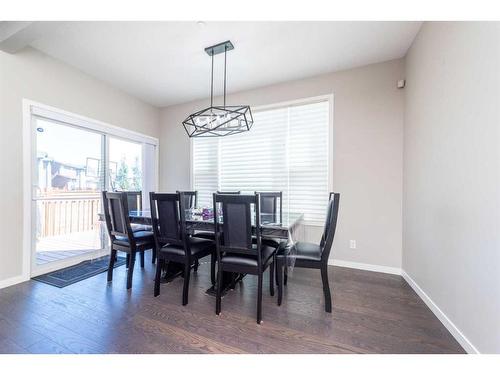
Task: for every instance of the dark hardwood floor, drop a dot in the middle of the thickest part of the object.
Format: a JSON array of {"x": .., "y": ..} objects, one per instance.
[{"x": 372, "y": 313}]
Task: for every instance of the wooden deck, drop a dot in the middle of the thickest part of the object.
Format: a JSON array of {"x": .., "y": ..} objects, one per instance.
[
  {"x": 372, "y": 313},
  {"x": 53, "y": 248},
  {"x": 44, "y": 257}
]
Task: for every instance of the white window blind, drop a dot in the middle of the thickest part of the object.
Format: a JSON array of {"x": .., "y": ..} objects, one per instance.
[
  {"x": 205, "y": 167},
  {"x": 286, "y": 150}
]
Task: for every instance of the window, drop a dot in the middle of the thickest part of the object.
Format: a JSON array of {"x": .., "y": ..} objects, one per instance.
[
  {"x": 125, "y": 164},
  {"x": 286, "y": 150}
]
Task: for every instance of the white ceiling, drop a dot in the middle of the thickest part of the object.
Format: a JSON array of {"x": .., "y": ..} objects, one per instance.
[{"x": 164, "y": 63}]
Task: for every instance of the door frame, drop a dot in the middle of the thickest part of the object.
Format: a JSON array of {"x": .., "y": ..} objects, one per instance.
[{"x": 31, "y": 108}]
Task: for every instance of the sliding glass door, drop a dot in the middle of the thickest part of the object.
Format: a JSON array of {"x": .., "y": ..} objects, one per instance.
[
  {"x": 68, "y": 181},
  {"x": 72, "y": 162}
]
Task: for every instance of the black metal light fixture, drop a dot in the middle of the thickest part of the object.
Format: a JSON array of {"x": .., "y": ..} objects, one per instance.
[{"x": 217, "y": 121}]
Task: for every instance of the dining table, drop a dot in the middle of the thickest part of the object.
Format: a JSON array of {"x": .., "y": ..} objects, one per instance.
[{"x": 287, "y": 228}]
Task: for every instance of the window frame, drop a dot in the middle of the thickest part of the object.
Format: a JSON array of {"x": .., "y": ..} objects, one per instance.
[{"x": 286, "y": 104}]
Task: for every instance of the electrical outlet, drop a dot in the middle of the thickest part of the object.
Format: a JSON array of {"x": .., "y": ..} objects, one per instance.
[{"x": 352, "y": 244}]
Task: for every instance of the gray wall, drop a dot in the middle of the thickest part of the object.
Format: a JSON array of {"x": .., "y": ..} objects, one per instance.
[
  {"x": 367, "y": 148},
  {"x": 451, "y": 245},
  {"x": 32, "y": 75}
]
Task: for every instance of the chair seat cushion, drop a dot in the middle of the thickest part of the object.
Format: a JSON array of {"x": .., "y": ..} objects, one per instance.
[
  {"x": 141, "y": 238},
  {"x": 249, "y": 260},
  {"x": 141, "y": 228},
  {"x": 198, "y": 247},
  {"x": 307, "y": 251}
]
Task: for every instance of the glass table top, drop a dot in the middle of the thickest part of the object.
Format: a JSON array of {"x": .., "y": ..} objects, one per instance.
[{"x": 200, "y": 215}]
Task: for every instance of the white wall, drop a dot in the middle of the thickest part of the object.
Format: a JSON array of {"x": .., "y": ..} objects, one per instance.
[
  {"x": 367, "y": 168},
  {"x": 451, "y": 238},
  {"x": 32, "y": 75}
]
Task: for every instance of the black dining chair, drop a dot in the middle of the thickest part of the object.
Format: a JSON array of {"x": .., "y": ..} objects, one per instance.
[
  {"x": 121, "y": 235},
  {"x": 271, "y": 205},
  {"x": 134, "y": 200},
  {"x": 271, "y": 211},
  {"x": 236, "y": 252},
  {"x": 310, "y": 255},
  {"x": 173, "y": 241},
  {"x": 191, "y": 202}
]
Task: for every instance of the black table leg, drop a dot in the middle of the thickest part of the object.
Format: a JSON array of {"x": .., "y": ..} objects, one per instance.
[
  {"x": 229, "y": 281},
  {"x": 279, "y": 275},
  {"x": 171, "y": 271}
]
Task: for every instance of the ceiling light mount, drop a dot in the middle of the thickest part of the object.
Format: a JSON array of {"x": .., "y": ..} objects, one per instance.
[
  {"x": 217, "y": 121},
  {"x": 219, "y": 48}
]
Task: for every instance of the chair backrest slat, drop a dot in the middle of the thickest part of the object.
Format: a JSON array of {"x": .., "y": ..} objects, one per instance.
[
  {"x": 166, "y": 218},
  {"x": 327, "y": 220},
  {"x": 237, "y": 221},
  {"x": 330, "y": 226}
]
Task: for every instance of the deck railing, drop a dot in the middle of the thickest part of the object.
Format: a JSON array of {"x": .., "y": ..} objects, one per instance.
[{"x": 65, "y": 213}]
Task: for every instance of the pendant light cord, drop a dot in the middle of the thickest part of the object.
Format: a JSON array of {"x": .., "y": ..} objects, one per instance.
[
  {"x": 225, "y": 59},
  {"x": 212, "y": 82}
]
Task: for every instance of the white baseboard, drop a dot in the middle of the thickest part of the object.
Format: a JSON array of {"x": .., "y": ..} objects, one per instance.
[
  {"x": 452, "y": 328},
  {"x": 364, "y": 266},
  {"x": 12, "y": 281}
]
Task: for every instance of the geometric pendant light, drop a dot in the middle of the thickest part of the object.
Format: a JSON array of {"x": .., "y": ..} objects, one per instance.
[{"x": 217, "y": 121}]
